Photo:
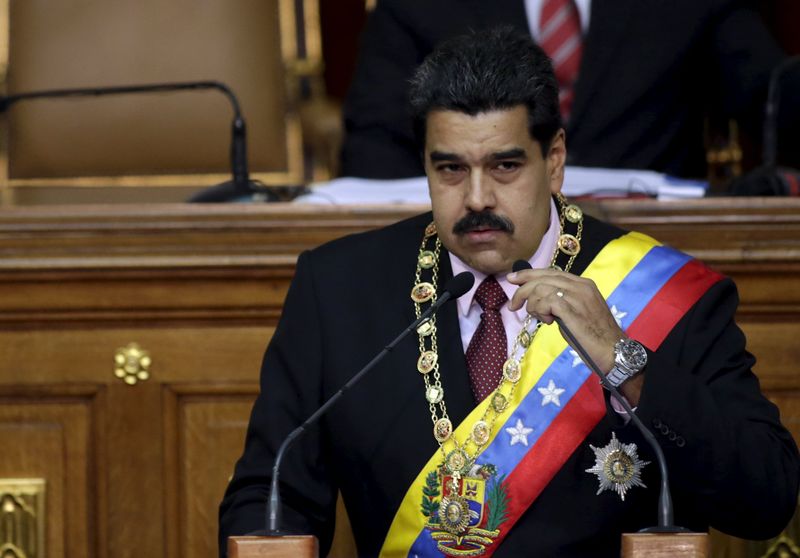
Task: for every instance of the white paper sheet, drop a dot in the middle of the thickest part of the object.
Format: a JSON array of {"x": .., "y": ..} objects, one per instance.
[{"x": 578, "y": 181}]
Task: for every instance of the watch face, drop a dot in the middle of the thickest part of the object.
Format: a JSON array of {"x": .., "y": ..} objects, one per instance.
[{"x": 633, "y": 354}]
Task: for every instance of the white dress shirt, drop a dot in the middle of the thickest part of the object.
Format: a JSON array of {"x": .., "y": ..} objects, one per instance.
[{"x": 469, "y": 311}]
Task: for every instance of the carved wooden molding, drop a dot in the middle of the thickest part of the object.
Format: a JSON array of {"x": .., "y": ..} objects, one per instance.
[{"x": 22, "y": 519}]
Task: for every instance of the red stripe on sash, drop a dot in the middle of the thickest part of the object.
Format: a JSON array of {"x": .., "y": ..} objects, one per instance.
[
  {"x": 671, "y": 303},
  {"x": 544, "y": 460}
]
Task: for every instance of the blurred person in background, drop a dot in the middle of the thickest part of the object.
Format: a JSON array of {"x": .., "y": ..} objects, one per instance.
[{"x": 638, "y": 77}]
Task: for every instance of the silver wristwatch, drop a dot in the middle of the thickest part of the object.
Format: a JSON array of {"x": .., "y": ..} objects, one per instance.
[{"x": 630, "y": 358}]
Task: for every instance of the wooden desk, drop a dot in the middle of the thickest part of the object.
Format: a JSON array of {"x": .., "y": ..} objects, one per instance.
[{"x": 139, "y": 468}]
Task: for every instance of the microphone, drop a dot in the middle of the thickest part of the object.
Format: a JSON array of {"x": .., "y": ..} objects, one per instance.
[
  {"x": 770, "y": 179},
  {"x": 239, "y": 186},
  {"x": 665, "y": 498},
  {"x": 454, "y": 288}
]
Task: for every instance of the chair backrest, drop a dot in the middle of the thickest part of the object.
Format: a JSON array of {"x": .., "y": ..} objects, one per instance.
[{"x": 165, "y": 145}]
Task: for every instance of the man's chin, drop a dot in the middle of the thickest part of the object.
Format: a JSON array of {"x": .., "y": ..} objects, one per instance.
[{"x": 489, "y": 262}]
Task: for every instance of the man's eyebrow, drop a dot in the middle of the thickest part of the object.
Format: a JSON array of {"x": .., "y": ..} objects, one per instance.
[
  {"x": 437, "y": 156},
  {"x": 514, "y": 153}
]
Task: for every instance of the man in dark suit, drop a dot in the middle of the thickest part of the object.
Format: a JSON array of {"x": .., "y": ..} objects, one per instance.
[
  {"x": 649, "y": 73},
  {"x": 484, "y": 433}
]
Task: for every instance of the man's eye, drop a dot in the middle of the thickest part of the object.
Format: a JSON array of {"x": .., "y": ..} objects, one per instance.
[
  {"x": 450, "y": 168},
  {"x": 507, "y": 166}
]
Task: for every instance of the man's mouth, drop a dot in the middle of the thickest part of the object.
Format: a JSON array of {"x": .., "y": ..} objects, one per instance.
[{"x": 482, "y": 229}]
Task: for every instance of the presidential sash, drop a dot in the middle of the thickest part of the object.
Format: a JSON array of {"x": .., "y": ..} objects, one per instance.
[{"x": 554, "y": 406}]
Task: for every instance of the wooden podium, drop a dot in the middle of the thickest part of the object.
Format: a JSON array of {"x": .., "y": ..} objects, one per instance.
[
  {"x": 300, "y": 546},
  {"x": 200, "y": 288},
  {"x": 634, "y": 545},
  {"x": 665, "y": 545}
]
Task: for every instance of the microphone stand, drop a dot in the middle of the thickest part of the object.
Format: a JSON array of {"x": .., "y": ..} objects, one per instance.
[
  {"x": 664, "y": 499},
  {"x": 457, "y": 286},
  {"x": 666, "y": 539},
  {"x": 665, "y": 511},
  {"x": 241, "y": 183},
  {"x": 664, "y": 542},
  {"x": 770, "y": 130},
  {"x": 770, "y": 179}
]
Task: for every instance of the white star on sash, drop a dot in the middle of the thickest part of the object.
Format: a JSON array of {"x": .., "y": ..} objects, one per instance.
[
  {"x": 576, "y": 359},
  {"x": 550, "y": 394},
  {"x": 618, "y": 315},
  {"x": 519, "y": 433}
]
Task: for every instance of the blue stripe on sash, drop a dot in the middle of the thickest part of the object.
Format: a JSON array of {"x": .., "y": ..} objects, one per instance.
[{"x": 644, "y": 281}]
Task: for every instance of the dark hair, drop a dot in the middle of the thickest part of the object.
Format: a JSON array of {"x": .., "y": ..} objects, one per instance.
[{"x": 482, "y": 71}]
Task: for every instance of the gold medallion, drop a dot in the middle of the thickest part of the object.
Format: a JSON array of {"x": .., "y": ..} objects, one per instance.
[
  {"x": 573, "y": 213},
  {"x": 426, "y": 328},
  {"x": 442, "y": 429},
  {"x": 422, "y": 292},
  {"x": 434, "y": 394},
  {"x": 525, "y": 338},
  {"x": 480, "y": 433},
  {"x": 426, "y": 259},
  {"x": 499, "y": 402},
  {"x": 511, "y": 370},
  {"x": 457, "y": 462},
  {"x": 427, "y": 361},
  {"x": 454, "y": 514},
  {"x": 569, "y": 244},
  {"x": 430, "y": 230}
]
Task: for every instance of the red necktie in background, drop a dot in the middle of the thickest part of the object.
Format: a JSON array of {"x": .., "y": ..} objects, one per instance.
[
  {"x": 488, "y": 348},
  {"x": 561, "y": 38}
]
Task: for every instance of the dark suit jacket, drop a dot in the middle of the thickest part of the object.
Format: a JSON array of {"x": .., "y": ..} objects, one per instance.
[
  {"x": 732, "y": 464},
  {"x": 650, "y": 71}
]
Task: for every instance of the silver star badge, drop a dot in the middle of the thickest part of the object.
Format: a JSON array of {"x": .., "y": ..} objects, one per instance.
[{"x": 618, "y": 467}]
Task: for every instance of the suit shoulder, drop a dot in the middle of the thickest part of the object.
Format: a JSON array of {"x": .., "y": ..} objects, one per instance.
[{"x": 364, "y": 246}]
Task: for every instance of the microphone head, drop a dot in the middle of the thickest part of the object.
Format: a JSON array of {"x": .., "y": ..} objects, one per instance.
[
  {"x": 460, "y": 284},
  {"x": 520, "y": 265}
]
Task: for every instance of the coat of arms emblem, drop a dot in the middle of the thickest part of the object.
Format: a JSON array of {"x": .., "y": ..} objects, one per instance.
[{"x": 465, "y": 512}]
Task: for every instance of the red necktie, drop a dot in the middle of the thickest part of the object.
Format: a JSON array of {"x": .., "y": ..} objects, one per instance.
[
  {"x": 488, "y": 348},
  {"x": 560, "y": 37}
]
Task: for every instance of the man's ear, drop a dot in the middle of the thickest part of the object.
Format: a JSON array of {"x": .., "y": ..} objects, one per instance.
[{"x": 556, "y": 159}]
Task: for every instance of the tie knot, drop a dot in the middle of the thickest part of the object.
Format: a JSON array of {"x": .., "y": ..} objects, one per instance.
[{"x": 490, "y": 294}]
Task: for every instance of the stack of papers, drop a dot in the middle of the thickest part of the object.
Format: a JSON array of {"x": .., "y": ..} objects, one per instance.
[
  {"x": 599, "y": 182},
  {"x": 578, "y": 182}
]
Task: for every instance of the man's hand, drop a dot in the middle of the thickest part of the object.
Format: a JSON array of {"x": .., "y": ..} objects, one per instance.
[{"x": 547, "y": 294}]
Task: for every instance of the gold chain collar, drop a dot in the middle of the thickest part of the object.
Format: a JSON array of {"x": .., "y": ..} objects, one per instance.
[{"x": 459, "y": 456}]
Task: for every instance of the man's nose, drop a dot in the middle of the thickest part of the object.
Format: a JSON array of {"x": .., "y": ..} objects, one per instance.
[{"x": 480, "y": 192}]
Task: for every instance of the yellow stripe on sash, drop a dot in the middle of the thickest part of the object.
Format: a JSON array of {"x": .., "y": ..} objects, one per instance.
[{"x": 607, "y": 270}]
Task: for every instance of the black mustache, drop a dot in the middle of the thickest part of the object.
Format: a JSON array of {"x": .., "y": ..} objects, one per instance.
[{"x": 484, "y": 219}]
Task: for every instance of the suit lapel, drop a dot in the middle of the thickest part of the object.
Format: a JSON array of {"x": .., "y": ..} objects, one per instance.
[{"x": 608, "y": 25}]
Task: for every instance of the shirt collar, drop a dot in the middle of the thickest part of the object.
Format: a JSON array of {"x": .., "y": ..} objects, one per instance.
[{"x": 540, "y": 259}]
